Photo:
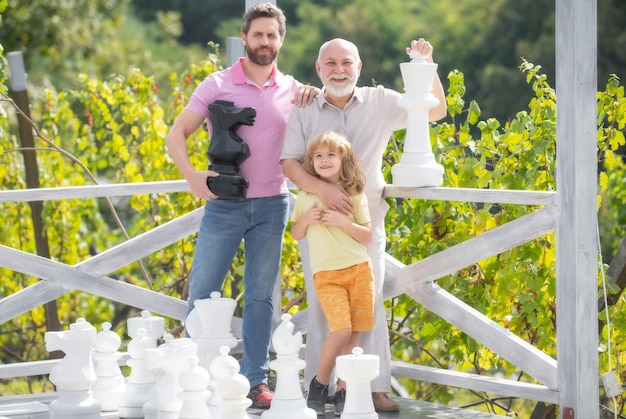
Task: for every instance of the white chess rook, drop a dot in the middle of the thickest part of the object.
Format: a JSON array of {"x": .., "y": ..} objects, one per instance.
[
  {"x": 288, "y": 402},
  {"x": 417, "y": 166},
  {"x": 144, "y": 332},
  {"x": 358, "y": 371},
  {"x": 74, "y": 375}
]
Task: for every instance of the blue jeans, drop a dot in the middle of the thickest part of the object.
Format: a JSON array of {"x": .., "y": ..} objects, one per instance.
[{"x": 261, "y": 223}]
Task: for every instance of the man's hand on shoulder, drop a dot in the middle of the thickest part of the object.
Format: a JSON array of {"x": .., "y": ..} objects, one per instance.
[{"x": 305, "y": 96}]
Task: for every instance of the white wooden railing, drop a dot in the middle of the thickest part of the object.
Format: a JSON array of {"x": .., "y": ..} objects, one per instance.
[{"x": 417, "y": 280}]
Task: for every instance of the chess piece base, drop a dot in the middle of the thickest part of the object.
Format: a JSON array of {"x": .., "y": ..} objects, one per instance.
[
  {"x": 136, "y": 395},
  {"x": 75, "y": 404},
  {"x": 417, "y": 170},
  {"x": 289, "y": 409}
]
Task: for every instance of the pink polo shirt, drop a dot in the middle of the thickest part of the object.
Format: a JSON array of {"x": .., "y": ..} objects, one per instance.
[{"x": 266, "y": 137}]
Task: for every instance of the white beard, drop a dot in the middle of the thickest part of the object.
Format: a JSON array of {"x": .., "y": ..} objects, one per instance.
[{"x": 341, "y": 91}]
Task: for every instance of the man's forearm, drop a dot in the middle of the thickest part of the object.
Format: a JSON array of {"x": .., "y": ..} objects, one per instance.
[{"x": 293, "y": 169}]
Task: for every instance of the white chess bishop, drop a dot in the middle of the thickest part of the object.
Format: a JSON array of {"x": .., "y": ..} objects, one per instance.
[{"x": 288, "y": 402}]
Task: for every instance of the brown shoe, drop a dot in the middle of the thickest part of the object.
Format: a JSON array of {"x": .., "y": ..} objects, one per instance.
[{"x": 382, "y": 402}]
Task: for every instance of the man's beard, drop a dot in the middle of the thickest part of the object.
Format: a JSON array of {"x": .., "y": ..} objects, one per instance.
[
  {"x": 341, "y": 91},
  {"x": 261, "y": 59}
]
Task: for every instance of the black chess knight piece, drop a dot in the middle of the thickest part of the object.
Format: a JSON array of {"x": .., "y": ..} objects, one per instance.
[{"x": 228, "y": 150}]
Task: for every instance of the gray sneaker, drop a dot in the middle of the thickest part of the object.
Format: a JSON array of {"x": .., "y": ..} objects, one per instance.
[
  {"x": 340, "y": 400},
  {"x": 316, "y": 398}
]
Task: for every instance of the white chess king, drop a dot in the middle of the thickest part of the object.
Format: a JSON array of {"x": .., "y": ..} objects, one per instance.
[{"x": 417, "y": 166}]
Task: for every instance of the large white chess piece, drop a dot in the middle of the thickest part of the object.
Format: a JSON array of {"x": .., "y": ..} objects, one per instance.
[
  {"x": 194, "y": 381},
  {"x": 110, "y": 384},
  {"x": 233, "y": 390},
  {"x": 169, "y": 359},
  {"x": 417, "y": 166},
  {"x": 74, "y": 375},
  {"x": 221, "y": 367},
  {"x": 358, "y": 370},
  {"x": 144, "y": 331},
  {"x": 208, "y": 325},
  {"x": 288, "y": 402}
]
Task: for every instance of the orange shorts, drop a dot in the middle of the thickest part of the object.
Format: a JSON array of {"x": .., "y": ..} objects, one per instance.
[{"x": 347, "y": 297}]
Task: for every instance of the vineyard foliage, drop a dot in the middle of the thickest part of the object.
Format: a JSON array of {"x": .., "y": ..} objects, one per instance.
[{"x": 113, "y": 129}]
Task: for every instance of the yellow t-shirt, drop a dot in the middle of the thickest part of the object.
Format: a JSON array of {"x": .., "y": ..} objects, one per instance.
[{"x": 331, "y": 247}]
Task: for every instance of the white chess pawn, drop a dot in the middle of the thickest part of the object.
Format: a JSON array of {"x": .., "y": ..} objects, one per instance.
[
  {"x": 288, "y": 400},
  {"x": 233, "y": 390},
  {"x": 153, "y": 326},
  {"x": 74, "y": 375},
  {"x": 219, "y": 369},
  {"x": 169, "y": 359},
  {"x": 194, "y": 381},
  {"x": 110, "y": 384},
  {"x": 141, "y": 379},
  {"x": 208, "y": 325},
  {"x": 358, "y": 370}
]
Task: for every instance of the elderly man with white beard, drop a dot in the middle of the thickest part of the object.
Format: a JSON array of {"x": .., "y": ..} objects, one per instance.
[{"x": 368, "y": 116}]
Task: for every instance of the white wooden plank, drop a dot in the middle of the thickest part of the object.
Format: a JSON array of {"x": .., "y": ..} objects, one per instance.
[
  {"x": 29, "y": 298},
  {"x": 99, "y": 285},
  {"x": 577, "y": 247},
  {"x": 29, "y": 369},
  {"x": 143, "y": 245},
  {"x": 503, "y": 387},
  {"x": 502, "y": 196},
  {"x": 457, "y": 257},
  {"x": 91, "y": 191},
  {"x": 500, "y": 340},
  {"x": 464, "y": 315}
]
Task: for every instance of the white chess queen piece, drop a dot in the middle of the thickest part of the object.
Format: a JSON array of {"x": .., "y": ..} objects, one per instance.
[
  {"x": 233, "y": 390},
  {"x": 194, "y": 381},
  {"x": 74, "y": 375},
  {"x": 358, "y": 370},
  {"x": 110, "y": 384},
  {"x": 288, "y": 400},
  {"x": 140, "y": 380},
  {"x": 417, "y": 166},
  {"x": 220, "y": 368},
  {"x": 209, "y": 326}
]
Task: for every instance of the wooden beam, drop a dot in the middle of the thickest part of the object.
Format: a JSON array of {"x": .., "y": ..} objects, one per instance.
[
  {"x": 576, "y": 175},
  {"x": 500, "y": 340},
  {"x": 110, "y": 288},
  {"x": 503, "y": 387},
  {"x": 457, "y": 257},
  {"x": 30, "y": 298},
  {"x": 93, "y": 191},
  {"x": 501, "y": 196},
  {"x": 143, "y": 245}
]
